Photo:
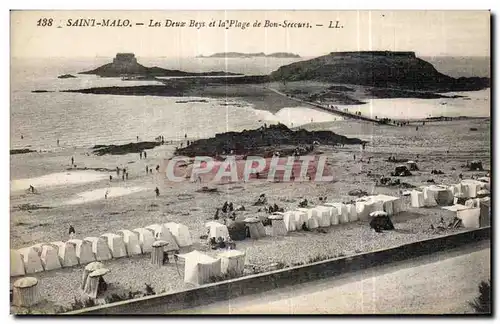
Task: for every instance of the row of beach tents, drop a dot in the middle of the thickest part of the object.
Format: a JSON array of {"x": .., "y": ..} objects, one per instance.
[
  {"x": 329, "y": 214},
  {"x": 55, "y": 255},
  {"x": 469, "y": 200}
]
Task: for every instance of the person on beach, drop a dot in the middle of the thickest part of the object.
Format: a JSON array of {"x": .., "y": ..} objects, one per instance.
[
  {"x": 354, "y": 157},
  {"x": 22, "y": 137},
  {"x": 72, "y": 161},
  {"x": 126, "y": 175},
  {"x": 72, "y": 231},
  {"x": 124, "y": 170},
  {"x": 106, "y": 194},
  {"x": 110, "y": 178},
  {"x": 416, "y": 128},
  {"x": 147, "y": 170},
  {"x": 157, "y": 168},
  {"x": 140, "y": 155},
  {"x": 123, "y": 176},
  {"x": 57, "y": 141},
  {"x": 32, "y": 189},
  {"x": 151, "y": 171},
  {"x": 137, "y": 138},
  {"x": 117, "y": 171},
  {"x": 157, "y": 191},
  {"x": 145, "y": 155},
  {"x": 185, "y": 135}
]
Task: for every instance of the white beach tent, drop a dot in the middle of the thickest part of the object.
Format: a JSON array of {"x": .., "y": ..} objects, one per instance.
[
  {"x": 417, "y": 199},
  {"x": 115, "y": 245},
  {"x": 352, "y": 212},
  {"x": 217, "y": 230},
  {"x": 199, "y": 267},
  {"x": 342, "y": 213},
  {"x": 31, "y": 260},
  {"x": 312, "y": 219},
  {"x": 99, "y": 248},
  {"x": 391, "y": 205},
  {"x": 83, "y": 251},
  {"x": 146, "y": 239},
  {"x": 181, "y": 234},
  {"x": 334, "y": 214},
  {"x": 289, "y": 220},
  {"x": 16, "y": 264},
  {"x": 162, "y": 233},
  {"x": 67, "y": 253},
  {"x": 131, "y": 240},
  {"x": 443, "y": 195},
  {"x": 324, "y": 215},
  {"x": 470, "y": 217},
  {"x": 429, "y": 200},
  {"x": 473, "y": 186},
  {"x": 277, "y": 224},
  {"x": 50, "y": 257},
  {"x": 300, "y": 218},
  {"x": 232, "y": 262}
]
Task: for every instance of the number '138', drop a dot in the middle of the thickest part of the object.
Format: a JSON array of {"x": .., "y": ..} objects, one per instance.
[{"x": 44, "y": 22}]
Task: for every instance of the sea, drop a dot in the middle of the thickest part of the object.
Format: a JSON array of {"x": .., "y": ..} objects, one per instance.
[{"x": 38, "y": 120}]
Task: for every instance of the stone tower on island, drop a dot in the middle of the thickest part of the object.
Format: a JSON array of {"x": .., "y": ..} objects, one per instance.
[{"x": 125, "y": 59}]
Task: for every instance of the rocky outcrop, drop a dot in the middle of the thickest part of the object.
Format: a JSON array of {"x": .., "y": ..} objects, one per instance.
[
  {"x": 378, "y": 69},
  {"x": 126, "y": 65}
]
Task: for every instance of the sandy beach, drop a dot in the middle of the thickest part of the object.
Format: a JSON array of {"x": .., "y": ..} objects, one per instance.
[{"x": 47, "y": 215}]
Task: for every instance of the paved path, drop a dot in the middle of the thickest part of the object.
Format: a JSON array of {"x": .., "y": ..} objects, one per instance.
[
  {"x": 441, "y": 283},
  {"x": 331, "y": 110}
]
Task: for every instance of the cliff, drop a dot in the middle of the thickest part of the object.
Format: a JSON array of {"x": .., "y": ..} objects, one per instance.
[
  {"x": 125, "y": 64},
  {"x": 249, "y": 55},
  {"x": 378, "y": 69}
]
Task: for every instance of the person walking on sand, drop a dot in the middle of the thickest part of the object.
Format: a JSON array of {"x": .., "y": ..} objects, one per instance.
[
  {"x": 147, "y": 170},
  {"x": 110, "y": 178},
  {"x": 140, "y": 155},
  {"x": 157, "y": 191},
  {"x": 117, "y": 171},
  {"x": 72, "y": 231},
  {"x": 354, "y": 157},
  {"x": 145, "y": 154},
  {"x": 137, "y": 138},
  {"x": 106, "y": 194},
  {"x": 72, "y": 161}
]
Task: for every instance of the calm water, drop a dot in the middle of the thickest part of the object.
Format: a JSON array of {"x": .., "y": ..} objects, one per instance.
[{"x": 85, "y": 120}]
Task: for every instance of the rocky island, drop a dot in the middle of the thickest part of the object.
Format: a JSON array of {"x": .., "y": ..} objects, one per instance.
[
  {"x": 263, "y": 142},
  {"x": 250, "y": 55},
  {"x": 126, "y": 65},
  {"x": 340, "y": 78},
  {"x": 66, "y": 76},
  {"x": 382, "y": 69}
]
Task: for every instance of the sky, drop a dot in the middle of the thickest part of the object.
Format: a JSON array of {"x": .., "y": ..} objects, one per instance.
[{"x": 428, "y": 33}]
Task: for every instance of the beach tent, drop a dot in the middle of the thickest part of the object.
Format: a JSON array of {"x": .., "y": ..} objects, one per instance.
[
  {"x": 441, "y": 194},
  {"x": 99, "y": 248},
  {"x": 116, "y": 245},
  {"x": 232, "y": 262},
  {"x": 237, "y": 230},
  {"x": 277, "y": 224},
  {"x": 429, "y": 200},
  {"x": 312, "y": 221},
  {"x": 253, "y": 227},
  {"x": 352, "y": 212},
  {"x": 390, "y": 204},
  {"x": 324, "y": 215},
  {"x": 412, "y": 165},
  {"x": 31, "y": 260},
  {"x": 50, "y": 257},
  {"x": 363, "y": 208},
  {"x": 162, "y": 233},
  {"x": 470, "y": 217},
  {"x": 131, "y": 240},
  {"x": 83, "y": 251},
  {"x": 342, "y": 213},
  {"x": 300, "y": 218},
  {"x": 181, "y": 234},
  {"x": 485, "y": 213},
  {"x": 146, "y": 239},
  {"x": 417, "y": 199},
  {"x": 67, "y": 253},
  {"x": 16, "y": 264},
  {"x": 289, "y": 220},
  {"x": 199, "y": 268},
  {"x": 473, "y": 186},
  {"x": 333, "y": 213},
  {"x": 217, "y": 230}
]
